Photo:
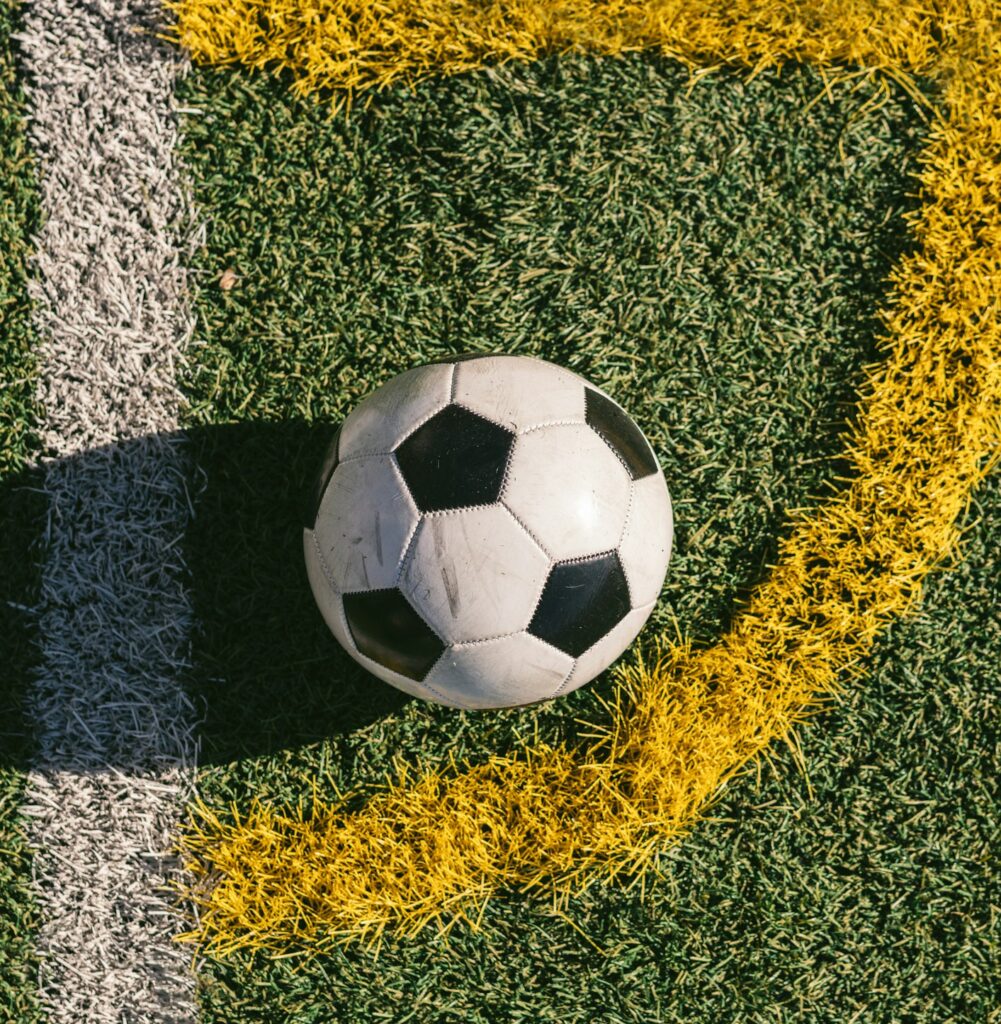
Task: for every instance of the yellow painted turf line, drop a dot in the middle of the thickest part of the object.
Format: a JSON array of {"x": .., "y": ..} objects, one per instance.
[
  {"x": 435, "y": 845},
  {"x": 351, "y": 45}
]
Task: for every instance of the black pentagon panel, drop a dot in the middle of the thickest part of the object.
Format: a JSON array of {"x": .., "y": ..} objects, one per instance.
[
  {"x": 454, "y": 460},
  {"x": 386, "y": 629},
  {"x": 581, "y": 601},
  {"x": 330, "y": 460},
  {"x": 618, "y": 431}
]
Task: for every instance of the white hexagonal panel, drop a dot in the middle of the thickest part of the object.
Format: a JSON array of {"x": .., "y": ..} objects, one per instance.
[
  {"x": 645, "y": 548},
  {"x": 474, "y": 574},
  {"x": 599, "y": 656},
  {"x": 381, "y": 421},
  {"x": 365, "y": 519},
  {"x": 568, "y": 489},
  {"x": 331, "y": 606},
  {"x": 506, "y": 672},
  {"x": 519, "y": 392}
]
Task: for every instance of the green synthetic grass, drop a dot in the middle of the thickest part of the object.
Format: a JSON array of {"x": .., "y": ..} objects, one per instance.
[
  {"x": 18, "y": 214},
  {"x": 19, "y": 514},
  {"x": 714, "y": 260},
  {"x": 580, "y": 210}
]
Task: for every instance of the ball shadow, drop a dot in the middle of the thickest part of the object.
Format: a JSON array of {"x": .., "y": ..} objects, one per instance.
[
  {"x": 22, "y": 514},
  {"x": 265, "y": 672}
]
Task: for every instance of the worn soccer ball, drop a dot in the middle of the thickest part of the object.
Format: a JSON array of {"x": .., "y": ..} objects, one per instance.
[{"x": 488, "y": 532}]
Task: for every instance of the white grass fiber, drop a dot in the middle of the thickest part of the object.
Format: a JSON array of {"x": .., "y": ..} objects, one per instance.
[{"x": 115, "y": 731}]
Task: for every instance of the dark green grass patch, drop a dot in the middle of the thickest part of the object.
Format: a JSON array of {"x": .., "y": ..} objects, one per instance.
[
  {"x": 18, "y": 213},
  {"x": 19, "y": 512},
  {"x": 714, "y": 259}
]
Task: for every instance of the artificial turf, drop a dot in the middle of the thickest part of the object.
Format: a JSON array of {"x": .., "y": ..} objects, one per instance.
[
  {"x": 19, "y": 513},
  {"x": 714, "y": 258},
  {"x": 585, "y": 211}
]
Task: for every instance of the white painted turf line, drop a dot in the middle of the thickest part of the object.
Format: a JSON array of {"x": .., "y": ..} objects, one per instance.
[{"x": 116, "y": 742}]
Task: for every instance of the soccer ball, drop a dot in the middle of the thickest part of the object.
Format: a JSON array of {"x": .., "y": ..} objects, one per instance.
[{"x": 488, "y": 531}]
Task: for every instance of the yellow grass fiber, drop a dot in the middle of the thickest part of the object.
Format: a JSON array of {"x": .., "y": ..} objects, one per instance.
[
  {"x": 349, "y": 45},
  {"x": 438, "y": 842}
]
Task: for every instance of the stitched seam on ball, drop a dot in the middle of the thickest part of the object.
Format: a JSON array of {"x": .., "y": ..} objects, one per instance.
[
  {"x": 456, "y": 511},
  {"x": 558, "y": 692},
  {"x": 419, "y": 682},
  {"x": 579, "y": 422},
  {"x": 406, "y": 488},
  {"x": 448, "y": 701},
  {"x": 402, "y": 480},
  {"x": 487, "y": 639},
  {"x": 586, "y": 558},
  {"x": 459, "y": 508},
  {"x": 553, "y": 647},
  {"x": 423, "y": 682},
  {"x": 615, "y": 451},
  {"x": 356, "y": 457},
  {"x": 507, "y": 471},
  {"x": 510, "y": 458},
  {"x": 413, "y": 429},
  {"x": 531, "y": 536},
  {"x": 552, "y": 565},
  {"x": 343, "y": 616},
  {"x": 569, "y": 423},
  {"x": 611, "y": 447},
  {"x": 566, "y": 679},
  {"x": 327, "y": 573},
  {"x": 420, "y": 423},
  {"x": 576, "y": 664},
  {"x": 407, "y": 548},
  {"x": 451, "y": 383},
  {"x": 489, "y": 419},
  {"x": 622, "y": 537}
]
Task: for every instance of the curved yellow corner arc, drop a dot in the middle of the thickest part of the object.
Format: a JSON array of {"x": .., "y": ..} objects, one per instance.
[{"x": 435, "y": 845}]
